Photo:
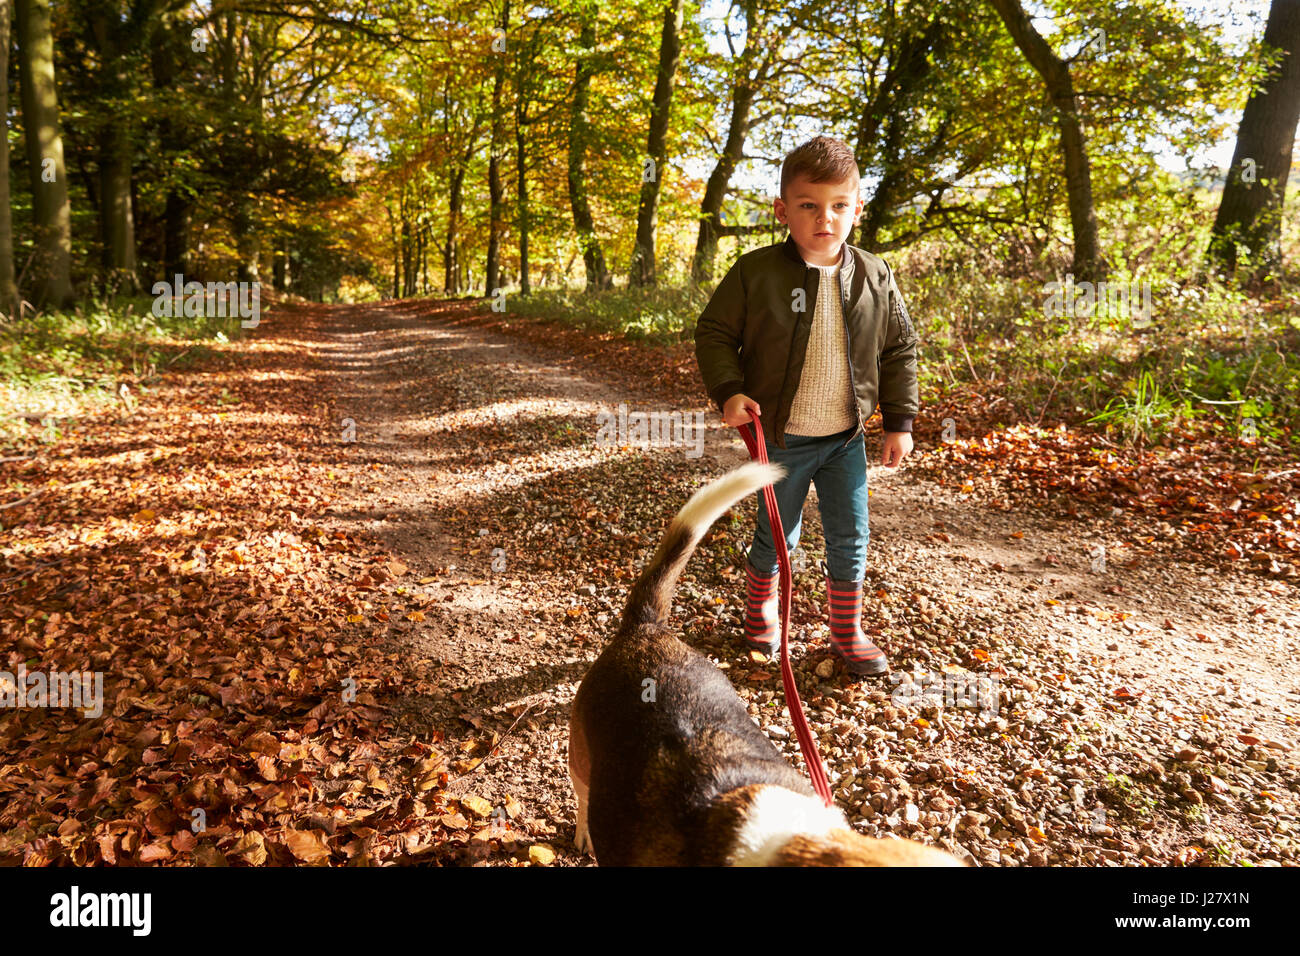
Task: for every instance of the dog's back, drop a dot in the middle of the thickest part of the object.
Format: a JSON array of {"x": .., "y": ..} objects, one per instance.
[
  {"x": 682, "y": 738},
  {"x": 681, "y": 735},
  {"x": 668, "y": 766}
]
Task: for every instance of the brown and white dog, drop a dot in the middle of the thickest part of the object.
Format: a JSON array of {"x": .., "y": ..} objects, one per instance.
[{"x": 668, "y": 767}]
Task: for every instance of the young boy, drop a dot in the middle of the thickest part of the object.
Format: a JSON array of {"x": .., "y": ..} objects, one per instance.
[{"x": 810, "y": 333}]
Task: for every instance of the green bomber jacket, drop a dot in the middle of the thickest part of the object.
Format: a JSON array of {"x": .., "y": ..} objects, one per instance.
[{"x": 753, "y": 335}]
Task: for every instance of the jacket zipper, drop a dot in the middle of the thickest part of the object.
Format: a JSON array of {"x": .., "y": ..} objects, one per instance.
[
  {"x": 853, "y": 379},
  {"x": 853, "y": 387},
  {"x": 778, "y": 424}
]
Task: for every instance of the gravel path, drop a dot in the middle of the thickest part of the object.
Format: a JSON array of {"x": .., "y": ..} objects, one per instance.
[{"x": 1059, "y": 695}]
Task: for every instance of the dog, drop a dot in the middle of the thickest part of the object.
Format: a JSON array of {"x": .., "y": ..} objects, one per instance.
[{"x": 666, "y": 764}]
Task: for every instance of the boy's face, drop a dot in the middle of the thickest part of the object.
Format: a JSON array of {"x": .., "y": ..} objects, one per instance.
[{"x": 820, "y": 216}]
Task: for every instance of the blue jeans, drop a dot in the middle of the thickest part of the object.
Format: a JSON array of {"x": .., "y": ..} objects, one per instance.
[{"x": 840, "y": 474}]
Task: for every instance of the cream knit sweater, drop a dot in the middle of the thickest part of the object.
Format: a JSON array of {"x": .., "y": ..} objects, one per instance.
[{"x": 823, "y": 403}]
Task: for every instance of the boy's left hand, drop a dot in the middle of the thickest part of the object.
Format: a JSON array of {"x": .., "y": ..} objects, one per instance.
[{"x": 895, "y": 448}]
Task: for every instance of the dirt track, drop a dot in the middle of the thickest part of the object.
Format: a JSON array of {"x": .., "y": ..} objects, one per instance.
[{"x": 1146, "y": 710}]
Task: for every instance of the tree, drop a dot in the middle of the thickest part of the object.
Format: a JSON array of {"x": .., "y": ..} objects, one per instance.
[
  {"x": 928, "y": 97},
  {"x": 1250, "y": 212},
  {"x": 113, "y": 35},
  {"x": 579, "y": 134},
  {"x": 761, "y": 36},
  {"x": 52, "y": 263},
  {"x": 167, "y": 50},
  {"x": 496, "y": 193},
  {"x": 541, "y": 91},
  {"x": 1089, "y": 264},
  {"x": 909, "y": 67},
  {"x": 8, "y": 288},
  {"x": 460, "y": 134},
  {"x": 644, "y": 270}
]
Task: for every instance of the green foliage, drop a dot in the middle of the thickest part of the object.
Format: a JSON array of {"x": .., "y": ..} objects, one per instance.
[
  {"x": 1212, "y": 353},
  {"x": 1142, "y": 412},
  {"x": 357, "y": 289},
  {"x": 58, "y": 365},
  {"x": 658, "y": 315},
  {"x": 1120, "y": 791}
]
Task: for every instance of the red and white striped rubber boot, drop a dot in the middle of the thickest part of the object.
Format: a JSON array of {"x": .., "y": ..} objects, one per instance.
[
  {"x": 860, "y": 655},
  {"x": 762, "y": 612}
]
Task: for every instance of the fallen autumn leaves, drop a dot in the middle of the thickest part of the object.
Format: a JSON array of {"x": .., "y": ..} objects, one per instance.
[
  {"x": 230, "y": 669},
  {"x": 177, "y": 551},
  {"x": 1200, "y": 495}
]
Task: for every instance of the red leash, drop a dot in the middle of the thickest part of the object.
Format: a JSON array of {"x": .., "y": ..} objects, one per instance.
[{"x": 807, "y": 743}]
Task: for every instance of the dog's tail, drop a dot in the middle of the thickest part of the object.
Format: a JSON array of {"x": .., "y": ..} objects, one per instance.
[{"x": 652, "y": 595}]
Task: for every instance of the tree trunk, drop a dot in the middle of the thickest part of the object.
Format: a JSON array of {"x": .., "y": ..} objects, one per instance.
[
  {"x": 524, "y": 286},
  {"x": 451, "y": 252},
  {"x": 495, "y": 212},
  {"x": 907, "y": 70},
  {"x": 523, "y": 66},
  {"x": 1088, "y": 261},
  {"x": 424, "y": 260},
  {"x": 244, "y": 114},
  {"x": 248, "y": 243},
  {"x": 882, "y": 203},
  {"x": 176, "y": 234},
  {"x": 397, "y": 252},
  {"x": 163, "y": 58},
  {"x": 413, "y": 283},
  {"x": 715, "y": 192},
  {"x": 52, "y": 277},
  {"x": 1250, "y": 213},
  {"x": 592, "y": 257},
  {"x": 706, "y": 243},
  {"x": 643, "y": 271},
  {"x": 116, "y": 219},
  {"x": 8, "y": 287},
  {"x": 278, "y": 267},
  {"x": 406, "y": 255}
]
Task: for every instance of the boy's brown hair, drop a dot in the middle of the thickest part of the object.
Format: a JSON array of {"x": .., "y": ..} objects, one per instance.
[{"x": 823, "y": 159}]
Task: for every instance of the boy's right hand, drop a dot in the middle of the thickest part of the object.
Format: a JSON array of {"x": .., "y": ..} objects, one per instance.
[{"x": 735, "y": 411}]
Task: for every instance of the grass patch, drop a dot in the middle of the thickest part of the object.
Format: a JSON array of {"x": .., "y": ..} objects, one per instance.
[
  {"x": 58, "y": 366},
  {"x": 1211, "y": 355},
  {"x": 1122, "y": 793},
  {"x": 1205, "y": 355},
  {"x": 659, "y": 315}
]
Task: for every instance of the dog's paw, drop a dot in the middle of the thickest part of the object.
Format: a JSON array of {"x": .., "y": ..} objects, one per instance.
[{"x": 582, "y": 841}]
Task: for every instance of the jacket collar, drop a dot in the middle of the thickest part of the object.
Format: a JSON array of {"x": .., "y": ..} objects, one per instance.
[{"x": 791, "y": 252}]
